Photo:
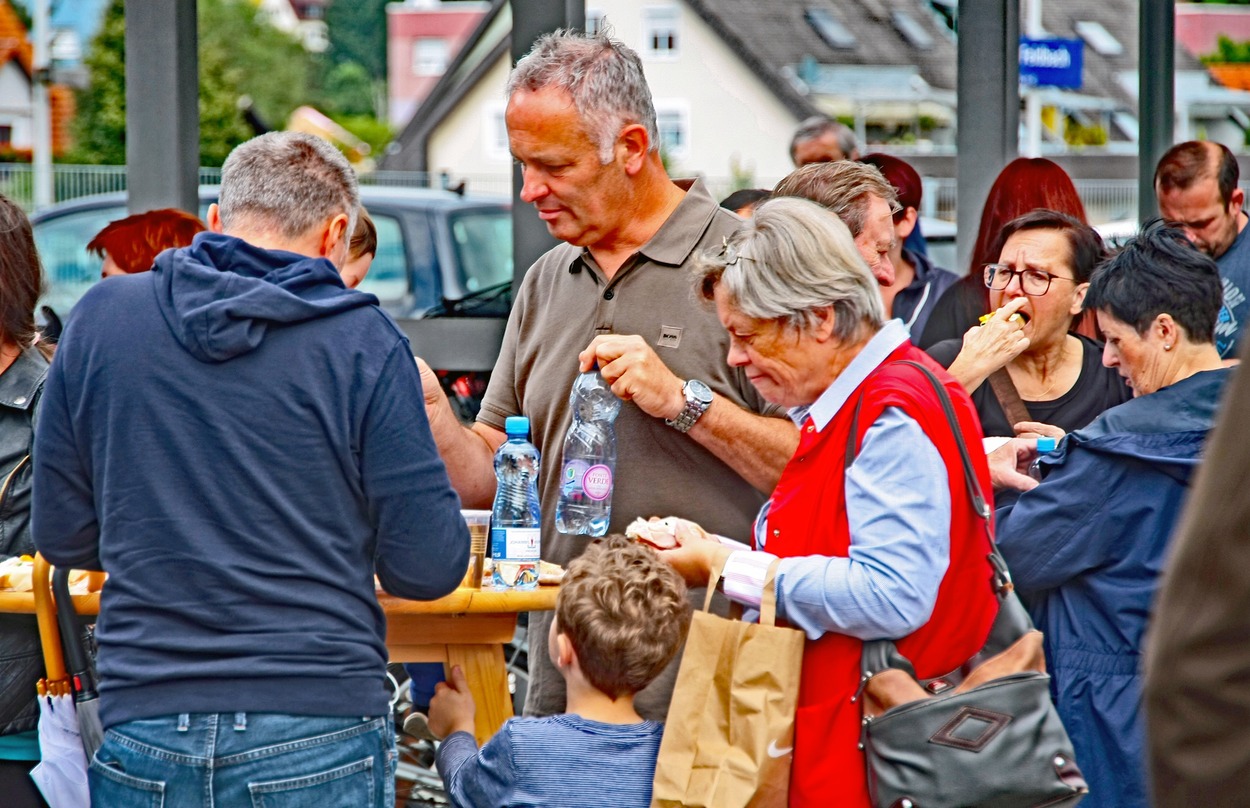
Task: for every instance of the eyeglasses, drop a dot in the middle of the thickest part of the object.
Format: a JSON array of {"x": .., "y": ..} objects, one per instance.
[{"x": 1032, "y": 281}]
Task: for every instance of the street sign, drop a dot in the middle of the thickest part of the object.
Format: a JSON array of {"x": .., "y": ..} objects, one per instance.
[{"x": 1051, "y": 62}]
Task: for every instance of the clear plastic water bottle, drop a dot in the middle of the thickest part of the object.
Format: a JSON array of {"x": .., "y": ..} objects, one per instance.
[
  {"x": 588, "y": 470},
  {"x": 515, "y": 523},
  {"x": 1045, "y": 445}
]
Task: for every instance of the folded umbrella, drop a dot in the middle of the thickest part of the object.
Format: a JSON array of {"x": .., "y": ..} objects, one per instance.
[
  {"x": 82, "y": 672},
  {"x": 62, "y": 771}
]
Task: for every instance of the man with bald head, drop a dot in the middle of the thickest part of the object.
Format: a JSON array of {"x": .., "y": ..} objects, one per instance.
[{"x": 1196, "y": 186}]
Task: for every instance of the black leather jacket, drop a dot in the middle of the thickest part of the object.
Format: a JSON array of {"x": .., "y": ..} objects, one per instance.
[{"x": 21, "y": 658}]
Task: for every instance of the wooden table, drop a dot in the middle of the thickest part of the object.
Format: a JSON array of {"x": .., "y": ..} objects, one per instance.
[{"x": 468, "y": 628}]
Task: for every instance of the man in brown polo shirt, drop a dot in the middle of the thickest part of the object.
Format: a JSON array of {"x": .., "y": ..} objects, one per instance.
[{"x": 691, "y": 437}]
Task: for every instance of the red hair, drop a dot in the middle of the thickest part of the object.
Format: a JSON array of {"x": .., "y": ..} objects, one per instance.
[
  {"x": 134, "y": 242},
  {"x": 1025, "y": 184}
]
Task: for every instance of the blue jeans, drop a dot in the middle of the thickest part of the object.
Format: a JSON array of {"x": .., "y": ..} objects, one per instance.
[{"x": 246, "y": 760}]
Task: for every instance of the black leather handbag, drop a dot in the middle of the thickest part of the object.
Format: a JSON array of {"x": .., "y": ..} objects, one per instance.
[{"x": 984, "y": 735}]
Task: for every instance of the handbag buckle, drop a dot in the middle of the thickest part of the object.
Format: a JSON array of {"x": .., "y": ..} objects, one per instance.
[{"x": 938, "y": 686}]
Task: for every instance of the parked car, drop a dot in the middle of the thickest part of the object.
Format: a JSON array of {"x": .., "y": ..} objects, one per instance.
[{"x": 440, "y": 255}]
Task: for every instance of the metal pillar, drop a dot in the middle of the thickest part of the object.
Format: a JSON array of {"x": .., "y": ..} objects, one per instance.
[
  {"x": 989, "y": 106},
  {"x": 41, "y": 112},
  {"x": 530, "y": 20},
  {"x": 1156, "y": 75},
  {"x": 162, "y": 105}
]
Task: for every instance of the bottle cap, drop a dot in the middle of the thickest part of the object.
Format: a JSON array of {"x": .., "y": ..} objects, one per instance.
[
  {"x": 517, "y": 426},
  {"x": 1046, "y": 444}
]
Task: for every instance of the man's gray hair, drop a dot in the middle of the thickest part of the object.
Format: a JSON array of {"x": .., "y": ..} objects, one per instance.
[
  {"x": 604, "y": 78},
  {"x": 789, "y": 260},
  {"x": 843, "y": 187},
  {"x": 287, "y": 182},
  {"x": 817, "y": 126}
]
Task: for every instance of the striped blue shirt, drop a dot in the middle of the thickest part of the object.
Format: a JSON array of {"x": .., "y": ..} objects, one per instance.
[{"x": 561, "y": 761}]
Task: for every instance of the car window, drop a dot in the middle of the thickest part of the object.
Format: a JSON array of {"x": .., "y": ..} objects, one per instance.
[
  {"x": 388, "y": 274},
  {"x": 62, "y": 244},
  {"x": 483, "y": 242}
]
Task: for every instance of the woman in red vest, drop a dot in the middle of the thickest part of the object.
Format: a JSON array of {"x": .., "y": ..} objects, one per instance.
[{"x": 888, "y": 547}]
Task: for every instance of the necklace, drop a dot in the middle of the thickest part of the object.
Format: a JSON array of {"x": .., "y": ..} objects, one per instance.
[{"x": 1063, "y": 355}]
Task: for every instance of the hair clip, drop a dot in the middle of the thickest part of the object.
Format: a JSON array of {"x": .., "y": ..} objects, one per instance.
[{"x": 729, "y": 254}]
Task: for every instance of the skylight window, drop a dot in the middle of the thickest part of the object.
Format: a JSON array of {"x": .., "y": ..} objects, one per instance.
[
  {"x": 911, "y": 30},
  {"x": 830, "y": 28},
  {"x": 1098, "y": 38}
]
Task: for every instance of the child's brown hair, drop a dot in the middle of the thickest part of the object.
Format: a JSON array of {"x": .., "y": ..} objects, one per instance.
[{"x": 624, "y": 610}]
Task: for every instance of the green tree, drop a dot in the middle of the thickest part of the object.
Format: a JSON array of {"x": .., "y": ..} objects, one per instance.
[
  {"x": 239, "y": 55},
  {"x": 348, "y": 90},
  {"x": 100, "y": 122},
  {"x": 357, "y": 32}
]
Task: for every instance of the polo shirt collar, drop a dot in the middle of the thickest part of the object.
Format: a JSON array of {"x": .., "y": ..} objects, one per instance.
[
  {"x": 20, "y": 382},
  {"x": 681, "y": 232},
  {"x": 883, "y": 343}
]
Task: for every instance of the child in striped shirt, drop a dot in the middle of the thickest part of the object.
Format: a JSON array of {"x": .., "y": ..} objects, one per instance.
[{"x": 621, "y": 616}]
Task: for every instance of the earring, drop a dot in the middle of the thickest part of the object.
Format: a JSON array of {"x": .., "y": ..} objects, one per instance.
[{"x": 1167, "y": 347}]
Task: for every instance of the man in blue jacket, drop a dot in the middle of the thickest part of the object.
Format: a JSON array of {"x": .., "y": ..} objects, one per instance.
[{"x": 240, "y": 442}]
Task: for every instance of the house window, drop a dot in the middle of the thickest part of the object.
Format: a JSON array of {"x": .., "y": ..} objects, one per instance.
[
  {"x": 495, "y": 132},
  {"x": 594, "y": 21},
  {"x": 660, "y": 35},
  {"x": 673, "y": 121},
  {"x": 429, "y": 56},
  {"x": 1098, "y": 38},
  {"x": 6, "y": 135}
]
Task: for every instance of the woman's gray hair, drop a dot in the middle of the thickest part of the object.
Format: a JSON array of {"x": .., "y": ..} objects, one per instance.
[
  {"x": 287, "y": 182},
  {"x": 790, "y": 259},
  {"x": 604, "y": 78}
]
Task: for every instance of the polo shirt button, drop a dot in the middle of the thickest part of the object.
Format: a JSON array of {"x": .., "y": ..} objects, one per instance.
[
  {"x": 608, "y": 295},
  {"x": 811, "y": 428},
  {"x": 776, "y": 532}
]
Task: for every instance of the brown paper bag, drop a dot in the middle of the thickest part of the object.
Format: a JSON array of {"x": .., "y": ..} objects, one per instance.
[{"x": 729, "y": 738}]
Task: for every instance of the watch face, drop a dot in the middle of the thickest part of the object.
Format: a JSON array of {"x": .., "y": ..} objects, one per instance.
[{"x": 699, "y": 391}]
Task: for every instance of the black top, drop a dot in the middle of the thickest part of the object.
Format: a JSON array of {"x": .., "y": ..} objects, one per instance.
[
  {"x": 956, "y": 311},
  {"x": 1097, "y": 389}
]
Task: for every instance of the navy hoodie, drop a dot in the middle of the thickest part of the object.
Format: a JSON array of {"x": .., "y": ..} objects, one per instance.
[{"x": 240, "y": 441}]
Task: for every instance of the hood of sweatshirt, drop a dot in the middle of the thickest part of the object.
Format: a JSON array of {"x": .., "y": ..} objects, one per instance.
[{"x": 221, "y": 295}]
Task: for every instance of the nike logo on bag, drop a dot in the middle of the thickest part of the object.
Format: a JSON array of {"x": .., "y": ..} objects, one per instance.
[{"x": 774, "y": 752}]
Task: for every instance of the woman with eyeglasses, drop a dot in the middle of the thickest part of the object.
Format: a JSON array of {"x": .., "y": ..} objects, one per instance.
[{"x": 1036, "y": 290}]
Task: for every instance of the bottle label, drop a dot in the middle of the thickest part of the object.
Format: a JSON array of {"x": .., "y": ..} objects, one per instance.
[
  {"x": 515, "y": 543},
  {"x": 572, "y": 477},
  {"x": 597, "y": 482}
]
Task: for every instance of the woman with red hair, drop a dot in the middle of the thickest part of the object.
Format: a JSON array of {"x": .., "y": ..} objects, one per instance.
[
  {"x": 1024, "y": 185},
  {"x": 131, "y": 245}
]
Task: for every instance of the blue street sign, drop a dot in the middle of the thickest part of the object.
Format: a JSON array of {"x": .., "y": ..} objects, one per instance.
[{"x": 1051, "y": 62}]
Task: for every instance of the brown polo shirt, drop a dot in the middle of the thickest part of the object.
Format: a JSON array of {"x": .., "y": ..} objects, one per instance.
[{"x": 564, "y": 302}]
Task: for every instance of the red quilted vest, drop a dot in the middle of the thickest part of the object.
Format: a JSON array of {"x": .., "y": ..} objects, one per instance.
[{"x": 808, "y": 517}]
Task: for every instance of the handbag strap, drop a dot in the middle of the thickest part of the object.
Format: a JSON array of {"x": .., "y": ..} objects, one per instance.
[
  {"x": 1009, "y": 397},
  {"x": 1012, "y": 620}
]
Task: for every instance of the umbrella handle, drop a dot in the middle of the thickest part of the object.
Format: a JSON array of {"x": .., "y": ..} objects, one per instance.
[
  {"x": 67, "y": 619},
  {"x": 46, "y": 615}
]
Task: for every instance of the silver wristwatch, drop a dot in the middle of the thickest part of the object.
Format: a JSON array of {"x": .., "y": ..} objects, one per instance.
[{"x": 698, "y": 399}]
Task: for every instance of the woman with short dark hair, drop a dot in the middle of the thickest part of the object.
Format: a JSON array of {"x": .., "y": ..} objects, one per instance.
[
  {"x": 1087, "y": 545},
  {"x": 1036, "y": 291}
]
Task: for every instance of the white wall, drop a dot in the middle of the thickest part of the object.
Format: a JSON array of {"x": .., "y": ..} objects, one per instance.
[
  {"x": 15, "y": 104},
  {"x": 731, "y": 115}
]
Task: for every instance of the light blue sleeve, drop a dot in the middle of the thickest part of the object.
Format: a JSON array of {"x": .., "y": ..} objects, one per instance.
[
  {"x": 477, "y": 778},
  {"x": 899, "y": 509}
]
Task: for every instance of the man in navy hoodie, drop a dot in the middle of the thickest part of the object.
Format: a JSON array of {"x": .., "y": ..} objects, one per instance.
[{"x": 240, "y": 442}]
